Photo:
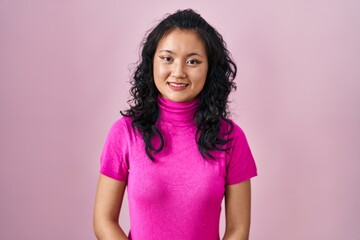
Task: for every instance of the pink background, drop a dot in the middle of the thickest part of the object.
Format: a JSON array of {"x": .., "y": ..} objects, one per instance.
[{"x": 64, "y": 77}]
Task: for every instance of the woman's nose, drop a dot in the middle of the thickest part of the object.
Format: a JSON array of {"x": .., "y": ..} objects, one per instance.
[{"x": 178, "y": 70}]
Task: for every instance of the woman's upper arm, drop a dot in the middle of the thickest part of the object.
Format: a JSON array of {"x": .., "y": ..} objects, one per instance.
[
  {"x": 237, "y": 210},
  {"x": 109, "y": 196}
]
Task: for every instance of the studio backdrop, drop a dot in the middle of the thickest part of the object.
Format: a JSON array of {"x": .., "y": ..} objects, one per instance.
[{"x": 65, "y": 68}]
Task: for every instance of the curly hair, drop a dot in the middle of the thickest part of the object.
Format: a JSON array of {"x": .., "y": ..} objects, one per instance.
[{"x": 213, "y": 99}]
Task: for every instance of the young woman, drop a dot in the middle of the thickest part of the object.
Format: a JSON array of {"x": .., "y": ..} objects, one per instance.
[{"x": 175, "y": 149}]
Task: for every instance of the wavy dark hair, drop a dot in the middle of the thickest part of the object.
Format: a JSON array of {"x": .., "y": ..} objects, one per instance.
[{"x": 213, "y": 99}]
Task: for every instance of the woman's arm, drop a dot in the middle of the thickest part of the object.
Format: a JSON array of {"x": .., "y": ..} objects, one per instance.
[
  {"x": 237, "y": 211},
  {"x": 109, "y": 196}
]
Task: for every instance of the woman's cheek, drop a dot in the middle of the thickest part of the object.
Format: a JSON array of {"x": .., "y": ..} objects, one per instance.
[{"x": 162, "y": 71}]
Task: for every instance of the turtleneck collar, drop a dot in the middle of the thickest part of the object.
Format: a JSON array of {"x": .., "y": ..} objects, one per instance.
[{"x": 178, "y": 113}]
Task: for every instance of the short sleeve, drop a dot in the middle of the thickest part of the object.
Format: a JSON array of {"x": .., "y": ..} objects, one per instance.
[
  {"x": 114, "y": 156},
  {"x": 240, "y": 164}
]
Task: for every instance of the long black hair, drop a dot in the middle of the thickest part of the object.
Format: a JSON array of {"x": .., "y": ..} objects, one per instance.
[{"x": 213, "y": 99}]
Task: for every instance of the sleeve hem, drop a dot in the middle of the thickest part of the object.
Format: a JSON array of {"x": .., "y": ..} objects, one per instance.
[
  {"x": 113, "y": 175},
  {"x": 241, "y": 179}
]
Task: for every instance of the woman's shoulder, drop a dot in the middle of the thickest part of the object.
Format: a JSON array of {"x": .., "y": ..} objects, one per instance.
[
  {"x": 122, "y": 120},
  {"x": 121, "y": 125},
  {"x": 230, "y": 127}
]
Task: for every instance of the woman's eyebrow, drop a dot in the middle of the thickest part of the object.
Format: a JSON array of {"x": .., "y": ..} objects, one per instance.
[{"x": 189, "y": 55}]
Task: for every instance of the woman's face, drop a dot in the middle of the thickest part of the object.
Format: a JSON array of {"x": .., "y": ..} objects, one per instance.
[{"x": 180, "y": 65}]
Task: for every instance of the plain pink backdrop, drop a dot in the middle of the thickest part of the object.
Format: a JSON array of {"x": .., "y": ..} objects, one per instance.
[{"x": 64, "y": 72}]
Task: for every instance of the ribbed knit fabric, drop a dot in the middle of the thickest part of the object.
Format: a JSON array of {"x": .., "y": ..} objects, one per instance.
[{"x": 178, "y": 196}]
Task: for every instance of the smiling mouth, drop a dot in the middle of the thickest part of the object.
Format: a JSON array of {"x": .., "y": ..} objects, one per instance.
[{"x": 179, "y": 85}]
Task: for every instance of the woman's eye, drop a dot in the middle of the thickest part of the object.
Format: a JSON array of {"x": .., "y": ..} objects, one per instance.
[
  {"x": 166, "y": 59},
  {"x": 193, "y": 62}
]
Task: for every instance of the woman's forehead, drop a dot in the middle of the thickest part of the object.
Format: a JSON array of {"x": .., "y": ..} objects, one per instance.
[{"x": 179, "y": 41}]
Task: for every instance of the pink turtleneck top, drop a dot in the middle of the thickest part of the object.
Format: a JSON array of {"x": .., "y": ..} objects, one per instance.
[{"x": 179, "y": 196}]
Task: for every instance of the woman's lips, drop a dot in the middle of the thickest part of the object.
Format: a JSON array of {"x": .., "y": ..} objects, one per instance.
[{"x": 177, "y": 86}]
